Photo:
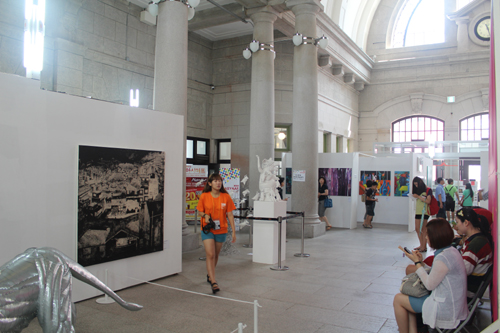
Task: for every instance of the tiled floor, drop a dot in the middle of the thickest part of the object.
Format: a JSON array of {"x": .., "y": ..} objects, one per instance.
[{"x": 346, "y": 285}]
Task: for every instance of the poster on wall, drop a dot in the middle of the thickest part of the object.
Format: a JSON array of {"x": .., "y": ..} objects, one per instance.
[
  {"x": 288, "y": 181},
  {"x": 196, "y": 177},
  {"x": 401, "y": 183},
  {"x": 120, "y": 203},
  {"x": 338, "y": 180},
  {"x": 231, "y": 181},
  {"x": 383, "y": 179}
]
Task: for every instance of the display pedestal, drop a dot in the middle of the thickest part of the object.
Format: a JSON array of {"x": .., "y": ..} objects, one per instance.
[{"x": 265, "y": 233}]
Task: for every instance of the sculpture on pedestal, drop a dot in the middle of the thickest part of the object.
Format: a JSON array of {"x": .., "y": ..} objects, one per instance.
[
  {"x": 37, "y": 283},
  {"x": 268, "y": 181}
]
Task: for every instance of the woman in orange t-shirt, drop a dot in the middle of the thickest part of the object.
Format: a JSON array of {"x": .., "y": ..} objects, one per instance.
[{"x": 215, "y": 203}]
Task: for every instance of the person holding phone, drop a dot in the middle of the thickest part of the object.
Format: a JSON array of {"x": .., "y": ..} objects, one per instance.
[
  {"x": 447, "y": 277},
  {"x": 423, "y": 196},
  {"x": 214, "y": 205}
]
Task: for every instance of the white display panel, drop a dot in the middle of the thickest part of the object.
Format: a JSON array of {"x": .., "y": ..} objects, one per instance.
[{"x": 40, "y": 132}]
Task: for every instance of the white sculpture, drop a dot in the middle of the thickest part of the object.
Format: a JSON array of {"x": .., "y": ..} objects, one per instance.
[
  {"x": 245, "y": 192},
  {"x": 244, "y": 180},
  {"x": 268, "y": 181}
]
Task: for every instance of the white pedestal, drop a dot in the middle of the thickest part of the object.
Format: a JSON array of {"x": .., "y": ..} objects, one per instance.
[{"x": 265, "y": 233}]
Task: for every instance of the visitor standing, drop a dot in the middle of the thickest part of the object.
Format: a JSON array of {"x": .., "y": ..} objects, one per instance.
[
  {"x": 451, "y": 192},
  {"x": 423, "y": 196},
  {"x": 322, "y": 195},
  {"x": 441, "y": 198},
  {"x": 370, "y": 204}
]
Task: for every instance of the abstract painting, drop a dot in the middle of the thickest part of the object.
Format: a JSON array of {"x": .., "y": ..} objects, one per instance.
[
  {"x": 338, "y": 180},
  {"x": 383, "y": 179},
  {"x": 401, "y": 183}
]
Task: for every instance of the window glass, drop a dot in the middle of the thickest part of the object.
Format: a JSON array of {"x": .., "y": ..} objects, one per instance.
[
  {"x": 225, "y": 150},
  {"x": 280, "y": 137},
  {"x": 201, "y": 148},
  {"x": 419, "y": 22},
  {"x": 475, "y": 128},
  {"x": 189, "y": 149},
  {"x": 418, "y": 128}
]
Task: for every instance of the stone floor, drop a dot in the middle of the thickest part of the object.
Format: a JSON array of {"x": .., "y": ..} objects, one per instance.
[{"x": 347, "y": 285}]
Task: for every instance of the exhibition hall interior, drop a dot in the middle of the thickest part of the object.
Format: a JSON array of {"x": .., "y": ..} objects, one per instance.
[{"x": 115, "y": 113}]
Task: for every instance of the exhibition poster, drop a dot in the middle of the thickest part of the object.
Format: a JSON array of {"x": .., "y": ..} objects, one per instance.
[
  {"x": 383, "y": 179},
  {"x": 338, "y": 180},
  {"x": 196, "y": 178}
]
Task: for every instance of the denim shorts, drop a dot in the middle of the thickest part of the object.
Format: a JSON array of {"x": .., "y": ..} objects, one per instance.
[
  {"x": 220, "y": 238},
  {"x": 417, "y": 303}
]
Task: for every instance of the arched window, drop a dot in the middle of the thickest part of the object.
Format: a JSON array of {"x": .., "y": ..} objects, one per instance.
[
  {"x": 418, "y": 128},
  {"x": 475, "y": 127},
  {"x": 419, "y": 22}
]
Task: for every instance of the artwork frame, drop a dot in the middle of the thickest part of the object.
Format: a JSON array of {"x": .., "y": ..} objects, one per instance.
[
  {"x": 383, "y": 179},
  {"x": 401, "y": 183},
  {"x": 120, "y": 203},
  {"x": 338, "y": 180}
]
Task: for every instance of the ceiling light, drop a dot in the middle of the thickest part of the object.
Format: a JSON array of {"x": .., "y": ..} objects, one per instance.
[
  {"x": 153, "y": 9},
  {"x": 322, "y": 42},
  {"x": 190, "y": 13},
  {"x": 281, "y": 135},
  {"x": 247, "y": 54},
  {"x": 254, "y": 45},
  {"x": 194, "y": 3},
  {"x": 297, "y": 39}
]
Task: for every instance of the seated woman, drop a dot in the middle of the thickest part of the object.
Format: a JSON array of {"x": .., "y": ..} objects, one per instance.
[
  {"x": 443, "y": 308},
  {"x": 477, "y": 250}
]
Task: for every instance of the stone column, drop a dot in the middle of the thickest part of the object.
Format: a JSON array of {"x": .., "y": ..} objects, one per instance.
[
  {"x": 305, "y": 119},
  {"x": 261, "y": 94},
  {"x": 462, "y": 34},
  {"x": 170, "y": 82}
]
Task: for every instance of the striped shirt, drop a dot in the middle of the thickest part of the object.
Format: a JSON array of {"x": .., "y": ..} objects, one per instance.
[{"x": 477, "y": 255}]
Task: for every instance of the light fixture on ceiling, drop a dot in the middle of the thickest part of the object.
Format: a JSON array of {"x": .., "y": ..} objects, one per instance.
[
  {"x": 256, "y": 46},
  {"x": 34, "y": 36},
  {"x": 153, "y": 9},
  {"x": 298, "y": 39},
  {"x": 281, "y": 135},
  {"x": 193, "y": 3},
  {"x": 191, "y": 12}
]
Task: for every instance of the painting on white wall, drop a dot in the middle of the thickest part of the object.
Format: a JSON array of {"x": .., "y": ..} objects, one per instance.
[{"x": 120, "y": 203}]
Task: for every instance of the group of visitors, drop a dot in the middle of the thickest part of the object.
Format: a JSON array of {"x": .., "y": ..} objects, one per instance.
[{"x": 462, "y": 257}]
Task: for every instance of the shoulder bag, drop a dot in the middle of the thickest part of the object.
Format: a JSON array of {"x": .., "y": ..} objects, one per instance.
[
  {"x": 411, "y": 285},
  {"x": 328, "y": 202}
]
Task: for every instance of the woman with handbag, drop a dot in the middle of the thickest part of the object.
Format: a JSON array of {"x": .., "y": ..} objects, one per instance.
[
  {"x": 446, "y": 305},
  {"x": 467, "y": 197},
  {"x": 322, "y": 195},
  {"x": 423, "y": 194},
  {"x": 215, "y": 203}
]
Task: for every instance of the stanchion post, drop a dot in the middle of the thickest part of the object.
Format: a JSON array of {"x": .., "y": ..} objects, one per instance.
[
  {"x": 278, "y": 267},
  {"x": 196, "y": 220},
  {"x": 255, "y": 316},
  {"x": 302, "y": 254},
  {"x": 250, "y": 234}
]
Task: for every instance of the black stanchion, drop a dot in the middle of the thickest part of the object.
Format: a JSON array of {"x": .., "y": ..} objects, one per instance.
[
  {"x": 278, "y": 267},
  {"x": 302, "y": 254}
]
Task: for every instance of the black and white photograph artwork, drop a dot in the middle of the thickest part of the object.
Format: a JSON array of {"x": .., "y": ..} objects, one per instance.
[{"x": 120, "y": 203}]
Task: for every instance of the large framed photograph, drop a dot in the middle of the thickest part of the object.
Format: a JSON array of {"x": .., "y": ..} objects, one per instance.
[{"x": 120, "y": 203}]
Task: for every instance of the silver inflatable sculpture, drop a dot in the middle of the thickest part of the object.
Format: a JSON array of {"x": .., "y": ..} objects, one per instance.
[{"x": 37, "y": 283}]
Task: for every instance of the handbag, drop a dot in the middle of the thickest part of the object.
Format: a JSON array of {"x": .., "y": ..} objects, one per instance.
[
  {"x": 411, "y": 285},
  {"x": 328, "y": 203}
]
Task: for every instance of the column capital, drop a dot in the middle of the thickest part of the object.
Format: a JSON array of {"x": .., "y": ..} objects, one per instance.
[
  {"x": 359, "y": 86},
  {"x": 266, "y": 13}
]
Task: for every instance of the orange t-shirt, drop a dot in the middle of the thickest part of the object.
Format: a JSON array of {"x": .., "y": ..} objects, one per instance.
[{"x": 216, "y": 208}]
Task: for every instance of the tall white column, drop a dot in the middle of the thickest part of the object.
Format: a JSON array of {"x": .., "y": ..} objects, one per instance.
[
  {"x": 305, "y": 115},
  {"x": 170, "y": 83},
  {"x": 261, "y": 94}
]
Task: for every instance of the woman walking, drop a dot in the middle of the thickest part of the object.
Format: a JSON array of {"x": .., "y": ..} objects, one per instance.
[{"x": 215, "y": 203}]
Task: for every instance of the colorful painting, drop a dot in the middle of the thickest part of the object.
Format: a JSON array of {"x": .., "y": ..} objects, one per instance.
[
  {"x": 120, "y": 203},
  {"x": 401, "y": 183},
  {"x": 383, "y": 179},
  {"x": 338, "y": 180}
]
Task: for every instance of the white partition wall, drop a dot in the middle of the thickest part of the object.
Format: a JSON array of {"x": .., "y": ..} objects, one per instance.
[
  {"x": 391, "y": 209},
  {"x": 343, "y": 212},
  {"x": 40, "y": 132}
]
